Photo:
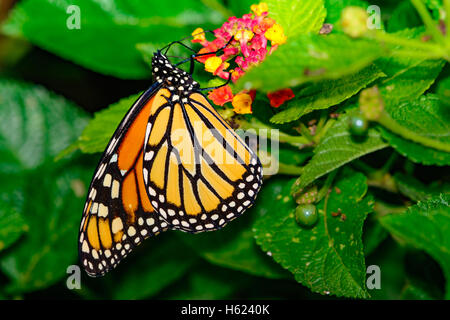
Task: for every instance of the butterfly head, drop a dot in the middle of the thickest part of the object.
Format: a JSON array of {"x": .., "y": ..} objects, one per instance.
[{"x": 166, "y": 73}]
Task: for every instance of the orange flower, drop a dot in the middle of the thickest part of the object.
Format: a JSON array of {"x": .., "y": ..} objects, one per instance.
[
  {"x": 221, "y": 95},
  {"x": 277, "y": 98},
  {"x": 242, "y": 103}
]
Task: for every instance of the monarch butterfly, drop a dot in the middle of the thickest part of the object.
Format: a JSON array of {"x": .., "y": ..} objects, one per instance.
[{"x": 172, "y": 163}]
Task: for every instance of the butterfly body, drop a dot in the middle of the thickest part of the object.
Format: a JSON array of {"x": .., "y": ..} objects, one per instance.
[{"x": 173, "y": 163}]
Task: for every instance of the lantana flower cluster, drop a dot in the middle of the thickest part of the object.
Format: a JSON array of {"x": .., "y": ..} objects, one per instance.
[{"x": 246, "y": 42}]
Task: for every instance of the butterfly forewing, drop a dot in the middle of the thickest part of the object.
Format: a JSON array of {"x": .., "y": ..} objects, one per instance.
[{"x": 118, "y": 214}]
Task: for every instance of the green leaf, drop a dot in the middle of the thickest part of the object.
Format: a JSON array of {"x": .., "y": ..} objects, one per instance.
[
  {"x": 203, "y": 283},
  {"x": 37, "y": 125},
  {"x": 444, "y": 92},
  {"x": 109, "y": 30},
  {"x": 52, "y": 212},
  {"x": 416, "y": 190},
  {"x": 12, "y": 226},
  {"x": 404, "y": 16},
  {"x": 100, "y": 129},
  {"x": 407, "y": 77},
  {"x": 49, "y": 196},
  {"x": 328, "y": 258},
  {"x": 374, "y": 234},
  {"x": 335, "y": 7},
  {"x": 433, "y": 217},
  {"x": 234, "y": 247},
  {"x": 156, "y": 264},
  {"x": 337, "y": 148},
  {"x": 325, "y": 94},
  {"x": 311, "y": 58},
  {"x": 298, "y": 16},
  {"x": 425, "y": 117}
]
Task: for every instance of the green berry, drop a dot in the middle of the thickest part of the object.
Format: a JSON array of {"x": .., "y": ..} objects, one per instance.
[
  {"x": 306, "y": 215},
  {"x": 358, "y": 125}
]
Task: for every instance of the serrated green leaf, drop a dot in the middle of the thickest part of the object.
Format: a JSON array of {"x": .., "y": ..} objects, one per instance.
[
  {"x": 100, "y": 129},
  {"x": 37, "y": 125},
  {"x": 325, "y": 94},
  {"x": 328, "y": 258},
  {"x": 425, "y": 117},
  {"x": 234, "y": 247},
  {"x": 407, "y": 77},
  {"x": 109, "y": 30},
  {"x": 433, "y": 217},
  {"x": 337, "y": 148},
  {"x": 308, "y": 58},
  {"x": 12, "y": 226},
  {"x": 416, "y": 190},
  {"x": 298, "y": 16}
]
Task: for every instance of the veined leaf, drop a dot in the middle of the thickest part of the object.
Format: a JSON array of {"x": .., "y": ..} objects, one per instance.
[
  {"x": 37, "y": 125},
  {"x": 337, "y": 148},
  {"x": 326, "y": 93},
  {"x": 433, "y": 217},
  {"x": 12, "y": 226},
  {"x": 328, "y": 258},
  {"x": 298, "y": 16},
  {"x": 308, "y": 58},
  {"x": 407, "y": 77},
  {"x": 425, "y": 117},
  {"x": 108, "y": 30}
]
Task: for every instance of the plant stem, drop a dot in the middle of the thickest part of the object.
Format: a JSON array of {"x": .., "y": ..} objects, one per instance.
[
  {"x": 327, "y": 185},
  {"x": 392, "y": 125},
  {"x": 296, "y": 141},
  {"x": 289, "y": 169},
  {"x": 389, "y": 163},
  {"x": 447, "y": 20},
  {"x": 318, "y": 137},
  {"x": 429, "y": 22},
  {"x": 305, "y": 132},
  {"x": 403, "y": 42}
]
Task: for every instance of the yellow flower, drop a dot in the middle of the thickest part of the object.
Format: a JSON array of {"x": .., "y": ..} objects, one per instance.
[
  {"x": 276, "y": 34},
  {"x": 245, "y": 34},
  {"x": 212, "y": 64},
  {"x": 198, "y": 35},
  {"x": 258, "y": 9},
  {"x": 242, "y": 103}
]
